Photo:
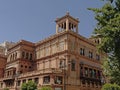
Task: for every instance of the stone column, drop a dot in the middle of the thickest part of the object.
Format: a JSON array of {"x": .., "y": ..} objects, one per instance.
[
  {"x": 67, "y": 24},
  {"x": 57, "y": 28},
  {"x": 77, "y": 29}
]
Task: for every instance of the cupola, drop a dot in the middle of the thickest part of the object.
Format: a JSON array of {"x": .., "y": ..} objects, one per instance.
[{"x": 67, "y": 23}]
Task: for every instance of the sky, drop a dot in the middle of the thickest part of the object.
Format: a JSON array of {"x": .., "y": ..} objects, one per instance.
[{"x": 34, "y": 20}]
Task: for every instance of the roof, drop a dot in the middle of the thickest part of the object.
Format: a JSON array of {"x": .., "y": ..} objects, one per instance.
[{"x": 67, "y": 16}]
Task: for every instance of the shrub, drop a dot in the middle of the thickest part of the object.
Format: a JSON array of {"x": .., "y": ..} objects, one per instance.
[
  {"x": 111, "y": 87},
  {"x": 30, "y": 85},
  {"x": 46, "y": 88},
  {"x": 6, "y": 89}
]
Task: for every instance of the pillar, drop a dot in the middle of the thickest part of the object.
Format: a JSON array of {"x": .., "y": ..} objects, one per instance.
[
  {"x": 57, "y": 28},
  {"x": 67, "y": 24},
  {"x": 77, "y": 29}
]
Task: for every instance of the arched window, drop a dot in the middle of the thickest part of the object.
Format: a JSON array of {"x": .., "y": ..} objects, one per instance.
[
  {"x": 65, "y": 25},
  {"x": 16, "y": 55},
  {"x": 27, "y": 55},
  {"x": 23, "y": 54},
  {"x": 86, "y": 72},
  {"x": 98, "y": 41},
  {"x": 90, "y": 72},
  {"x": 11, "y": 58},
  {"x": 81, "y": 71},
  {"x": 69, "y": 26},
  {"x": 31, "y": 56},
  {"x": 61, "y": 64}
]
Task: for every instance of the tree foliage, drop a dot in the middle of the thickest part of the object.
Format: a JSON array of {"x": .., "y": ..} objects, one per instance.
[
  {"x": 6, "y": 89},
  {"x": 29, "y": 86},
  {"x": 111, "y": 87},
  {"x": 46, "y": 88},
  {"x": 108, "y": 26}
]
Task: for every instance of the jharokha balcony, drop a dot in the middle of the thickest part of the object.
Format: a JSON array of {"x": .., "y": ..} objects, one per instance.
[
  {"x": 9, "y": 78},
  {"x": 40, "y": 72}
]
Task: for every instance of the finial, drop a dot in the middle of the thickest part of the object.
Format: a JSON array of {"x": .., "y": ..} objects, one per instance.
[
  {"x": 77, "y": 19},
  {"x": 57, "y": 18},
  {"x": 67, "y": 13}
]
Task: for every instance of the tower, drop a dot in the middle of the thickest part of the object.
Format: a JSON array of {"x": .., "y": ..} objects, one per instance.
[{"x": 67, "y": 23}]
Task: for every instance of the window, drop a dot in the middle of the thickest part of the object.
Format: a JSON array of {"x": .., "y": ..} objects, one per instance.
[
  {"x": 23, "y": 54},
  {"x": 27, "y": 55},
  {"x": 25, "y": 66},
  {"x": 36, "y": 80},
  {"x": 31, "y": 56},
  {"x": 90, "y": 54},
  {"x": 29, "y": 79},
  {"x": 46, "y": 80},
  {"x": 81, "y": 71},
  {"x": 24, "y": 81},
  {"x": 15, "y": 55},
  {"x": 64, "y": 25},
  {"x": 10, "y": 57},
  {"x": 98, "y": 74},
  {"x": 86, "y": 72},
  {"x": 97, "y": 57},
  {"x": 62, "y": 65},
  {"x": 93, "y": 73},
  {"x": 18, "y": 83},
  {"x": 21, "y": 65},
  {"x": 73, "y": 65},
  {"x": 30, "y": 67},
  {"x": 83, "y": 81},
  {"x": 69, "y": 26},
  {"x": 58, "y": 80},
  {"x": 90, "y": 71},
  {"x": 82, "y": 51},
  {"x": 21, "y": 72},
  {"x": 14, "y": 72}
]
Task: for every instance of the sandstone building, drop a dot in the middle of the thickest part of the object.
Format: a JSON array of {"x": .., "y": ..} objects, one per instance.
[{"x": 64, "y": 61}]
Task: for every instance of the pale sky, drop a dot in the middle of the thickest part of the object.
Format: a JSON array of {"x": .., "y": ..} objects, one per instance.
[{"x": 33, "y": 20}]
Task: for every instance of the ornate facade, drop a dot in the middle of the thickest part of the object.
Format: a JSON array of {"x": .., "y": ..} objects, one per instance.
[{"x": 64, "y": 61}]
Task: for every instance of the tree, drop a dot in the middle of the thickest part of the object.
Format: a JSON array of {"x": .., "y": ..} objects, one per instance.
[
  {"x": 110, "y": 87},
  {"x": 6, "y": 89},
  {"x": 108, "y": 26},
  {"x": 29, "y": 86},
  {"x": 46, "y": 88}
]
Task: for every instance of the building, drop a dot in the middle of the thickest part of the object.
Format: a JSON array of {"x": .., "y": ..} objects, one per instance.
[
  {"x": 5, "y": 46},
  {"x": 3, "y": 58},
  {"x": 64, "y": 61},
  {"x": 2, "y": 65}
]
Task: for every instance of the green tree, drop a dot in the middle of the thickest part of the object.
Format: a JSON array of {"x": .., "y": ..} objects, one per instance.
[
  {"x": 29, "y": 86},
  {"x": 46, "y": 88},
  {"x": 6, "y": 89},
  {"x": 110, "y": 87},
  {"x": 108, "y": 26}
]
